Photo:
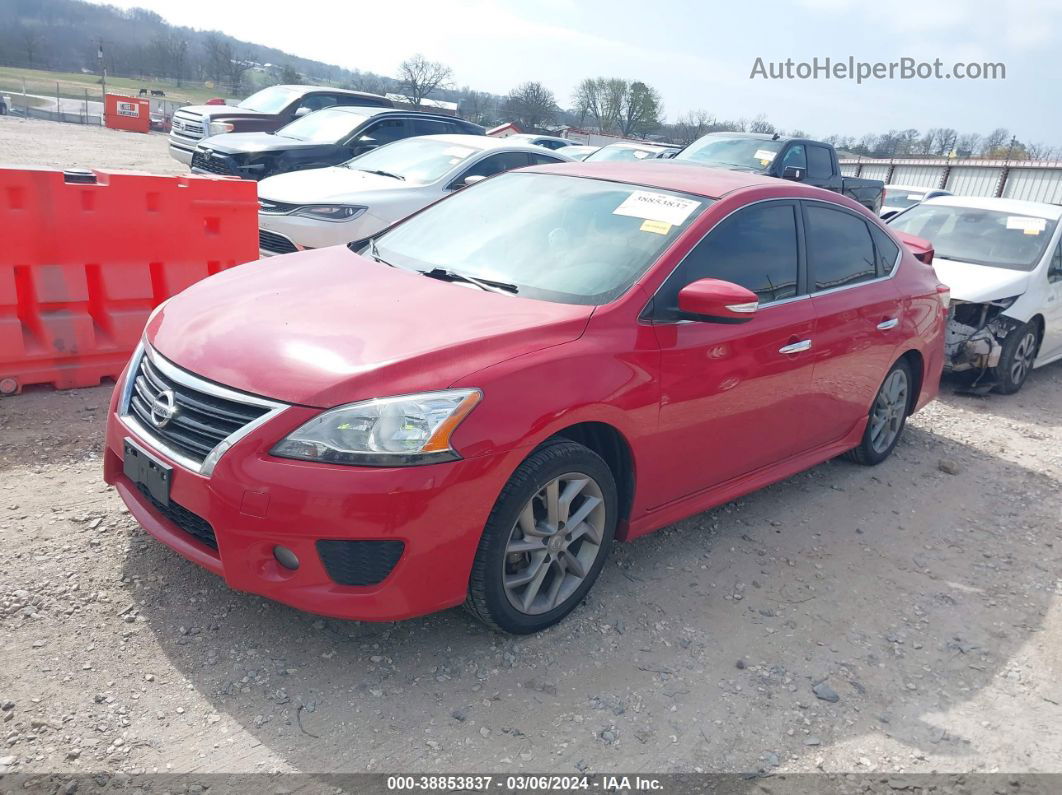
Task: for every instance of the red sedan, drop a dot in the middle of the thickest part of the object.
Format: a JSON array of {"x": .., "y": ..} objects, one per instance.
[{"x": 473, "y": 406}]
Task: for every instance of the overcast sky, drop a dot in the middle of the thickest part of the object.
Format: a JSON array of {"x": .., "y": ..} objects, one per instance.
[{"x": 698, "y": 54}]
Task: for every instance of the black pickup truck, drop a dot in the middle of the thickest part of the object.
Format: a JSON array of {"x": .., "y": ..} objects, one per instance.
[{"x": 798, "y": 159}]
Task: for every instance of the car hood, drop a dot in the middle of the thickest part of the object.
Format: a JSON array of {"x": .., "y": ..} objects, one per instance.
[
  {"x": 238, "y": 143},
  {"x": 324, "y": 184},
  {"x": 979, "y": 283},
  {"x": 326, "y": 327}
]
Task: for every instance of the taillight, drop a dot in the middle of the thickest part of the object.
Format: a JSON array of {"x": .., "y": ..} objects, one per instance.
[{"x": 944, "y": 294}]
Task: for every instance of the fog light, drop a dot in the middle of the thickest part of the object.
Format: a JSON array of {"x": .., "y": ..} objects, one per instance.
[{"x": 286, "y": 558}]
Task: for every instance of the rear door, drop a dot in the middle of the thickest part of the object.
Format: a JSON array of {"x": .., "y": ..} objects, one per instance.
[
  {"x": 857, "y": 306},
  {"x": 821, "y": 171},
  {"x": 732, "y": 397}
]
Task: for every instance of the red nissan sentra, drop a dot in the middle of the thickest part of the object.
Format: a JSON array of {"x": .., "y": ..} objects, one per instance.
[{"x": 473, "y": 406}]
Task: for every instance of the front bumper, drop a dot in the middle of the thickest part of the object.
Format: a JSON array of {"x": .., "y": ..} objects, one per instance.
[
  {"x": 181, "y": 154},
  {"x": 255, "y": 502}
]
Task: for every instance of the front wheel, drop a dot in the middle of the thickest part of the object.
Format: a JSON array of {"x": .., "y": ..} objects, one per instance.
[
  {"x": 1016, "y": 359},
  {"x": 546, "y": 540},
  {"x": 888, "y": 416}
]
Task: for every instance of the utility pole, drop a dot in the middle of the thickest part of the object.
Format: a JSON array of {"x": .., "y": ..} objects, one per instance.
[{"x": 103, "y": 72}]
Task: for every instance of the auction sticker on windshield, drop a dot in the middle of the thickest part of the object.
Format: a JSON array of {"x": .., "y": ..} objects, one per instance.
[
  {"x": 657, "y": 207},
  {"x": 1030, "y": 226}
]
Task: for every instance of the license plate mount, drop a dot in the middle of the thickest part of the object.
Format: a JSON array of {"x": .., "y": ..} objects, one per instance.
[{"x": 147, "y": 471}]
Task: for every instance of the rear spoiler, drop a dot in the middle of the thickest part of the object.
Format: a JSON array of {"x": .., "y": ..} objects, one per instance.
[{"x": 921, "y": 248}]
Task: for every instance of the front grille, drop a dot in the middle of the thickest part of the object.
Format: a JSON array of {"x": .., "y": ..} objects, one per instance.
[
  {"x": 191, "y": 523},
  {"x": 271, "y": 241},
  {"x": 201, "y": 420},
  {"x": 276, "y": 208},
  {"x": 205, "y": 162},
  {"x": 359, "y": 562}
]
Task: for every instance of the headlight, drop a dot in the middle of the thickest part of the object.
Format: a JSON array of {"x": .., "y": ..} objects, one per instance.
[
  {"x": 220, "y": 127},
  {"x": 330, "y": 212},
  {"x": 395, "y": 431}
]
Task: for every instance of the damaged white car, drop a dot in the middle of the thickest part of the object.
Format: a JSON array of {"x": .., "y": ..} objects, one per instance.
[{"x": 1002, "y": 259}]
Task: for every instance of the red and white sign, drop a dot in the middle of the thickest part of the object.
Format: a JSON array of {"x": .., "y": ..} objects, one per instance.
[{"x": 129, "y": 109}]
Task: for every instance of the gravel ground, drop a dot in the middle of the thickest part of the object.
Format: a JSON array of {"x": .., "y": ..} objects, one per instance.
[
  {"x": 48, "y": 143},
  {"x": 904, "y": 618}
]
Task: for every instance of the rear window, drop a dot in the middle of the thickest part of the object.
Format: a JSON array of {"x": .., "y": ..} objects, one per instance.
[{"x": 840, "y": 249}]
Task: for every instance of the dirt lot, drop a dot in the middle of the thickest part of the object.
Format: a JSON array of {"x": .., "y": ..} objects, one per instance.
[
  {"x": 899, "y": 619},
  {"x": 48, "y": 143}
]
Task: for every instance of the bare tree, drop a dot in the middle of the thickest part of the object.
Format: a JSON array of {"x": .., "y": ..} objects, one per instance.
[
  {"x": 995, "y": 142},
  {"x": 691, "y": 126},
  {"x": 218, "y": 55},
  {"x": 967, "y": 144},
  {"x": 32, "y": 42},
  {"x": 478, "y": 106},
  {"x": 237, "y": 67},
  {"x": 531, "y": 105},
  {"x": 419, "y": 77},
  {"x": 618, "y": 106},
  {"x": 761, "y": 125}
]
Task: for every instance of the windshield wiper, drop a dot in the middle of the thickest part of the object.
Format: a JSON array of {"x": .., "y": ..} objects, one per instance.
[
  {"x": 489, "y": 285},
  {"x": 382, "y": 173},
  {"x": 375, "y": 254}
]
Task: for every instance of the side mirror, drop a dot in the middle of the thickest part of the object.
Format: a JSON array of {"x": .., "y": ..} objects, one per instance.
[
  {"x": 302, "y": 112},
  {"x": 716, "y": 301},
  {"x": 469, "y": 181},
  {"x": 795, "y": 173}
]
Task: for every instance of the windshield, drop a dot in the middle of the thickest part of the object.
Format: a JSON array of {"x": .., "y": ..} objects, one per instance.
[
  {"x": 556, "y": 238},
  {"x": 728, "y": 151},
  {"x": 983, "y": 237},
  {"x": 621, "y": 153},
  {"x": 269, "y": 100},
  {"x": 903, "y": 197},
  {"x": 420, "y": 160},
  {"x": 327, "y": 126}
]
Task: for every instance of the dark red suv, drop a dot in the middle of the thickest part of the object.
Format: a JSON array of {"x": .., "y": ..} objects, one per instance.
[{"x": 473, "y": 406}]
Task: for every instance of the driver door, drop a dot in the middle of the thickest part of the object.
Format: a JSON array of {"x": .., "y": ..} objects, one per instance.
[
  {"x": 1051, "y": 345},
  {"x": 733, "y": 396},
  {"x": 380, "y": 133}
]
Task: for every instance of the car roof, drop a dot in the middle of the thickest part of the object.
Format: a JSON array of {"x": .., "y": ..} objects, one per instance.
[
  {"x": 913, "y": 188},
  {"x": 638, "y": 145},
  {"x": 1013, "y": 206},
  {"x": 712, "y": 183},
  {"x": 485, "y": 142},
  {"x": 301, "y": 89}
]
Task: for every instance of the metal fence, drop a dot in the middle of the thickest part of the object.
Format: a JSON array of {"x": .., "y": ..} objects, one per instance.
[
  {"x": 86, "y": 110},
  {"x": 1031, "y": 180}
]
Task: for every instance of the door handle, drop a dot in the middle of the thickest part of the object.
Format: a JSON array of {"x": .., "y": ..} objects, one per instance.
[
  {"x": 796, "y": 347},
  {"x": 885, "y": 325}
]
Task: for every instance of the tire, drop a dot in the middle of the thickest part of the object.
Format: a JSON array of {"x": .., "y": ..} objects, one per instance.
[
  {"x": 1016, "y": 359},
  {"x": 521, "y": 539},
  {"x": 887, "y": 415}
]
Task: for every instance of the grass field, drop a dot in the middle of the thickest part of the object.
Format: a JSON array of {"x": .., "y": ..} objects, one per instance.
[{"x": 74, "y": 84}]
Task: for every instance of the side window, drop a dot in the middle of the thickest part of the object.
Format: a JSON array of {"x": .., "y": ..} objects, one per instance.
[
  {"x": 794, "y": 156},
  {"x": 432, "y": 127},
  {"x": 383, "y": 132},
  {"x": 885, "y": 250},
  {"x": 496, "y": 164},
  {"x": 820, "y": 164},
  {"x": 755, "y": 247},
  {"x": 543, "y": 160},
  {"x": 1054, "y": 271},
  {"x": 840, "y": 249},
  {"x": 317, "y": 102}
]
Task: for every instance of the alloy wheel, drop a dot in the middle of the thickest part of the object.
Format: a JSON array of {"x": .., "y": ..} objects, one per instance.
[
  {"x": 554, "y": 543},
  {"x": 890, "y": 409},
  {"x": 1023, "y": 358}
]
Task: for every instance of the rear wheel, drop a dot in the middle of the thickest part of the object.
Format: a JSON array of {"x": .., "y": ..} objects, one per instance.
[
  {"x": 1016, "y": 359},
  {"x": 545, "y": 541},
  {"x": 888, "y": 416}
]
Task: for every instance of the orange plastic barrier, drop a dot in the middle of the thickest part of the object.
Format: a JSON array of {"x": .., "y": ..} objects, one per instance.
[
  {"x": 126, "y": 113},
  {"x": 85, "y": 257}
]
